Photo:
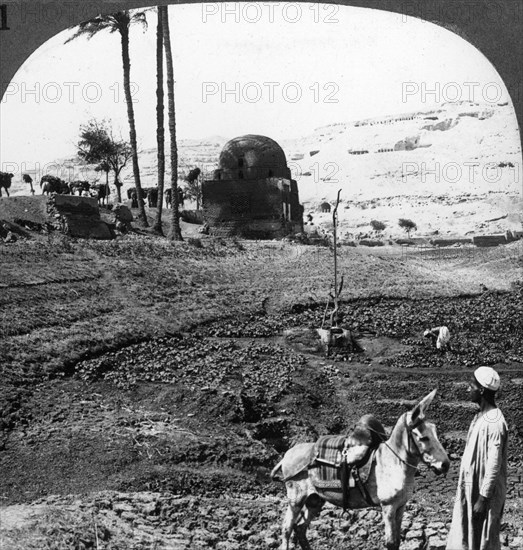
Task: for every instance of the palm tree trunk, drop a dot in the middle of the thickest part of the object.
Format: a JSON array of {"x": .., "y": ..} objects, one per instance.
[
  {"x": 118, "y": 189},
  {"x": 132, "y": 128},
  {"x": 176, "y": 234},
  {"x": 160, "y": 130}
]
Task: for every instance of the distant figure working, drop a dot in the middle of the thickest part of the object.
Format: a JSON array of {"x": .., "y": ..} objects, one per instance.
[
  {"x": 28, "y": 179},
  {"x": 440, "y": 336}
]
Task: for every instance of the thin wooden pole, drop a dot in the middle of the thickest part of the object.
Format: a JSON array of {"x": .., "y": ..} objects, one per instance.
[{"x": 335, "y": 224}]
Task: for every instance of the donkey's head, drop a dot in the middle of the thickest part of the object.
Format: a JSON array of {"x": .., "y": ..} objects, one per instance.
[{"x": 425, "y": 436}]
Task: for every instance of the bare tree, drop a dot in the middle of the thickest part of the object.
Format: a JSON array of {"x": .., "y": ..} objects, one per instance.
[{"x": 97, "y": 145}]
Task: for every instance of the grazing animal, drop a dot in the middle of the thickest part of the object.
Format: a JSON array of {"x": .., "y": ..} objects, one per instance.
[
  {"x": 51, "y": 184},
  {"x": 26, "y": 178},
  {"x": 81, "y": 186},
  {"x": 100, "y": 193},
  {"x": 64, "y": 187},
  {"x": 152, "y": 196},
  {"x": 390, "y": 482},
  {"x": 5, "y": 182},
  {"x": 168, "y": 197},
  {"x": 133, "y": 196}
]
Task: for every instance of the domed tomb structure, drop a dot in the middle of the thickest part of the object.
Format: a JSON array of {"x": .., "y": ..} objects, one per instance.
[{"x": 252, "y": 194}]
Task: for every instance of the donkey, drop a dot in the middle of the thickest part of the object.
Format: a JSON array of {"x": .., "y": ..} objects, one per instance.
[{"x": 390, "y": 483}]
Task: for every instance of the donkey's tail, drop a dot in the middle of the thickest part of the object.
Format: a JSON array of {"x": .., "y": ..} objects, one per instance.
[{"x": 276, "y": 473}]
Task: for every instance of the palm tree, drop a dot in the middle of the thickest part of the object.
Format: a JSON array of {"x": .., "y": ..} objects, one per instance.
[
  {"x": 160, "y": 130},
  {"x": 120, "y": 22},
  {"x": 176, "y": 234}
]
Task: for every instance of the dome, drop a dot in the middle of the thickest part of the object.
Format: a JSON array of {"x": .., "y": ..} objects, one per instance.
[{"x": 253, "y": 157}]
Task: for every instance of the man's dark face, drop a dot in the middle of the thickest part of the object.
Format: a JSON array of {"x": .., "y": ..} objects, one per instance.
[{"x": 475, "y": 391}]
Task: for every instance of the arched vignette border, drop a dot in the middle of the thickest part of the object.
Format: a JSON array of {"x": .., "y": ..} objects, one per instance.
[{"x": 494, "y": 27}]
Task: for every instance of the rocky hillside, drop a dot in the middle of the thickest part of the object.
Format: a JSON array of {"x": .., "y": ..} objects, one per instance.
[{"x": 454, "y": 170}]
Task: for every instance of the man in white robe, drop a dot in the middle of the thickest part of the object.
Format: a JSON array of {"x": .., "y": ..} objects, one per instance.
[
  {"x": 440, "y": 337},
  {"x": 480, "y": 498}
]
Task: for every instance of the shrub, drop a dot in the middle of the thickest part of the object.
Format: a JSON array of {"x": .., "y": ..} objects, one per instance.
[
  {"x": 377, "y": 225},
  {"x": 370, "y": 242},
  {"x": 407, "y": 225}
]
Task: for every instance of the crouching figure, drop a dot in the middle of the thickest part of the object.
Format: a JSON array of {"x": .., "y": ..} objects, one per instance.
[{"x": 440, "y": 337}]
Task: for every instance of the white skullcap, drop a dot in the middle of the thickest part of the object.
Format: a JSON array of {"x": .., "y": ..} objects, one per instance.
[{"x": 488, "y": 378}]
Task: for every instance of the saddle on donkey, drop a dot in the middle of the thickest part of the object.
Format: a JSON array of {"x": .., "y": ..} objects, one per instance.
[
  {"x": 337, "y": 457},
  {"x": 344, "y": 461}
]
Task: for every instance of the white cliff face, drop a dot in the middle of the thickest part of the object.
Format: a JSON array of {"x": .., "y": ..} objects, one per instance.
[{"x": 450, "y": 170}]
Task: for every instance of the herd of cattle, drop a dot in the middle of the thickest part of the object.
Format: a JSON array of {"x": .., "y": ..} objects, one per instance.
[{"x": 51, "y": 184}]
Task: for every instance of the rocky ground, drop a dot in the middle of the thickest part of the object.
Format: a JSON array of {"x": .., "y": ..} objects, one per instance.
[{"x": 147, "y": 391}]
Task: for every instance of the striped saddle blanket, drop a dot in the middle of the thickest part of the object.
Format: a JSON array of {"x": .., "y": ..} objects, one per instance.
[{"x": 329, "y": 460}]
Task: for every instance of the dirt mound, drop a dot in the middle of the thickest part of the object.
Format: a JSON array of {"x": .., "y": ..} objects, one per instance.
[
  {"x": 72, "y": 215},
  {"x": 29, "y": 209}
]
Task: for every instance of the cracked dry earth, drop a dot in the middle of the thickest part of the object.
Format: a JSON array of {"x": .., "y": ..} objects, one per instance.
[{"x": 166, "y": 443}]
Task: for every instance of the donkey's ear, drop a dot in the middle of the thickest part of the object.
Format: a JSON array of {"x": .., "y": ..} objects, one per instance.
[{"x": 418, "y": 413}]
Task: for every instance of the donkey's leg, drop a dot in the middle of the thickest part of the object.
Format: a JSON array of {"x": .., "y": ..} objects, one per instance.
[
  {"x": 313, "y": 506},
  {"x": 296, "y": 494},
  {"x": 287, "y": 527},
  {"x": 392, "y": 526},
  {"x": 399, "y": 518}
]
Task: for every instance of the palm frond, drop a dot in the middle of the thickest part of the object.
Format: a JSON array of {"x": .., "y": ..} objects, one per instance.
[
  {"x": 117, "y": 21},
  {"x": 140, "y": 18},
  {"x": 93, "y": 26}
]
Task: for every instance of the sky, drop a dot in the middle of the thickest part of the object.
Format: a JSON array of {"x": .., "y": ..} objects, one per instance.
[{"x": 279, "y": 69}]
